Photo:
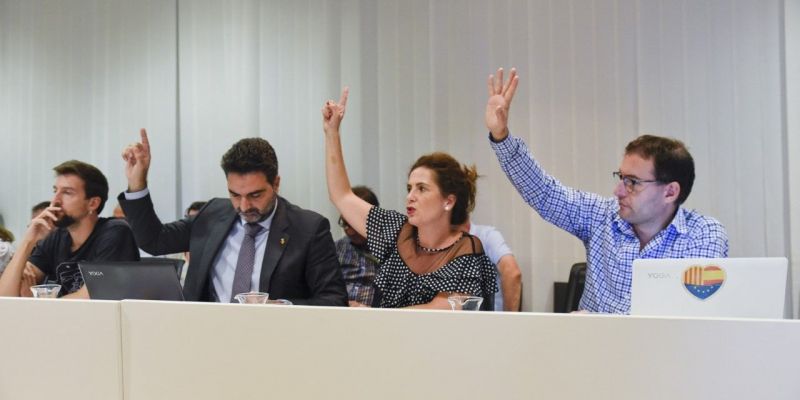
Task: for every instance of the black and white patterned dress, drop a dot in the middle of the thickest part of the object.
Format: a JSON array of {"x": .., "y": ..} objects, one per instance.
[{"x": 461, "y": 268}]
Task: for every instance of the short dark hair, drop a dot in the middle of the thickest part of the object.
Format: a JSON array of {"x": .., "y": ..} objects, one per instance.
[
  {"x": 251, "y": 155},
  {"x": 452, "y": 178},
  {"x": 94, "y": 182},
  {"x": 671, "y": 160},
  {"x": 40, "y": 206},
  {"x": 195, "y": 206},
  {"x": 366, "y": 194}
]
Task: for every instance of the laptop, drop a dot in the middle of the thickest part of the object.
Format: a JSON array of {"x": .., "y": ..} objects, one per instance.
[
  {"x": 142, "y": 280},
  {"x": 711, "y": 287}
]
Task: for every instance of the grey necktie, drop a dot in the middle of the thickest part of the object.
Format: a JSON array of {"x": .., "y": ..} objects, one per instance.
[{"x": 247, "y": 257}]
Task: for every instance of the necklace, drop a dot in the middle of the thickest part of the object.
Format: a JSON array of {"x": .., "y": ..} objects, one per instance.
[{"x": 437, "y": 250}]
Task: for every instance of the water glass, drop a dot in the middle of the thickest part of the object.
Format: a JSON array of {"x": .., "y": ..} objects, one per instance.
[
  {"x": 252, "y": 298},
  {"x": 460, "y": 302},
  {"x": 46, "y": 291}
]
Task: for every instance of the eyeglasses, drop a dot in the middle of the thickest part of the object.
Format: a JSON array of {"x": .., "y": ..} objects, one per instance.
[
  {"x": 343, "y": 223},
  {"x": 630, "y": 182}
]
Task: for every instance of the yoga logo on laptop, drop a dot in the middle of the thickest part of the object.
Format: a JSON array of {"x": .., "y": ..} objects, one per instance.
[{"x": 703, "y": 282}]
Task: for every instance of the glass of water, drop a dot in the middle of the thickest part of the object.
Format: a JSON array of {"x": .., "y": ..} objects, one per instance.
[
  {"x": 461, "y": 302},
  {"x": 46, "y": 291},
  {"x": 252, "y": 298}
]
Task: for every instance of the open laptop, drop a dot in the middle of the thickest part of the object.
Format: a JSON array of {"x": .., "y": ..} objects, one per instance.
[
  {"x": 142, "y": 280},
  {"x": 711, "y": 287}
]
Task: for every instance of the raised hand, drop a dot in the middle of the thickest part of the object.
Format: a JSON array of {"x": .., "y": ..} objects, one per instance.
[
  {"x": 137, "y": 163},
  {"x": 333, "y": 113},
  {"x": 500, "y": 96}
]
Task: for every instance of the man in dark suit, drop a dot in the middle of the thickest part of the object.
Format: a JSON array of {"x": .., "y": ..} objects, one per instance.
[{"x": 254, "y": 241}]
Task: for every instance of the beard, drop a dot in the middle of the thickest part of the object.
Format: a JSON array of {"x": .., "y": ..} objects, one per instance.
[
  {"x": 65, "y": 221},
  {"x": 255, "y": 215}
]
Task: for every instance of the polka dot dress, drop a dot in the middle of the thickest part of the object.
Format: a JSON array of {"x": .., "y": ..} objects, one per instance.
[{"x": 462, "y": 268}]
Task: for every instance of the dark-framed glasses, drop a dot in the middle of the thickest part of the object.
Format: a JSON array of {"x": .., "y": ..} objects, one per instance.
[
  {"x": 343, "y": 223},
  {"x": 631, "y": 183}
]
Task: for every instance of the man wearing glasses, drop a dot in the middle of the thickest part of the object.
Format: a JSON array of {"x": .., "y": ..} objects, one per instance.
[
  {"x": 359, "y": 266},
  {"x": 644, "y": 219}
]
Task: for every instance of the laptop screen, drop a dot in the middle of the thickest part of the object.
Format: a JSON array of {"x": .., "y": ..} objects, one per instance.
[
  {"x": 711, "y": 287},
  {"x": 143, "y": 280}
]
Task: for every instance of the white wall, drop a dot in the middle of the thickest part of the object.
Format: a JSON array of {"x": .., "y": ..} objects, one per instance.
[
  {"x": 594, "y": 75},
  {"x": 77, "y": 81}
]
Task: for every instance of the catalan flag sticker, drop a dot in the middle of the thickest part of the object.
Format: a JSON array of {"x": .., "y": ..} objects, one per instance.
[{"x": 703, "y": 282}]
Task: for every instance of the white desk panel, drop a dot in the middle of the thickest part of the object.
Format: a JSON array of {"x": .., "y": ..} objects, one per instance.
[
  {"x": 60, "y": 349},
  {"x": 221, "y": 351}
]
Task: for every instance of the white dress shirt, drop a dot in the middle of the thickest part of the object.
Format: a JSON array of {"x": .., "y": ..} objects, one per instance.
[{"x": 224, "y": 265}]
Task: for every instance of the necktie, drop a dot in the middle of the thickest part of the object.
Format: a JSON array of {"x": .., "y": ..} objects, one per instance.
[{"x": 247, "y": 257}]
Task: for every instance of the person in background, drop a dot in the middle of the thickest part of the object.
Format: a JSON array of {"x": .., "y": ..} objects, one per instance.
[
  {"x": 68, "y": 231},
  {"x": 35, "y": 211},
  {"x": 118, "y": 213},
  {"x": 191, "y": 211},
  {"x": 358, "y": 265},
  {"x": 38, "y": 208},
  {"x": 194, "y": 208},
  {"x": 6, "y": 248},
  {"x": 509, "y": 276}
]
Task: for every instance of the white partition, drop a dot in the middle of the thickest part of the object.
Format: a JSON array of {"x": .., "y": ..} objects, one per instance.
[
  {"x": 58, "y": 349},
  {"x": 216, "y": 351}
]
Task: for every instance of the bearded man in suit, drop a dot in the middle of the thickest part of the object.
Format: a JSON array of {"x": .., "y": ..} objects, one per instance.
[{"x": 253, "y": 241}]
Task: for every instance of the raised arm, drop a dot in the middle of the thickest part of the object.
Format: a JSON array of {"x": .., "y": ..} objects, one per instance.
[
  {"x": 354, "y": 210},
  {"x": 151, "y": 234},
  {"x": 570, "y": 209},
  {"x": 500, "y": 96}
]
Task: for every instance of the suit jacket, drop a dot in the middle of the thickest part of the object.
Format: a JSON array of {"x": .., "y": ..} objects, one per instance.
[{"x": 300, "y": 263}]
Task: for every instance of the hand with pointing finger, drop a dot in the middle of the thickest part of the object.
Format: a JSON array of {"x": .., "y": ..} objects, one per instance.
[
  {"x": 333, "y": 113},
  {"x": 137, "y": 163}
]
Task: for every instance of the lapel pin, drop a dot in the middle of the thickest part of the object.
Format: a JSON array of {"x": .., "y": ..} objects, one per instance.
[{"x": 283, "y": 242}]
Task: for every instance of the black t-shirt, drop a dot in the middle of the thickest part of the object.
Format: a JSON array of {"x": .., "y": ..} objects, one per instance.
[{"x": 111, "y": 240}]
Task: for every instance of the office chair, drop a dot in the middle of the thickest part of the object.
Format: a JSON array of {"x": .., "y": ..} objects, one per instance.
[{"x": 577, "y": 280}]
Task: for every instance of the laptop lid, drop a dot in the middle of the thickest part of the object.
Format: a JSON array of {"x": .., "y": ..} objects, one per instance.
[
  {"x": 142, "y": 280},
  {"x": 711, "y": 287}
]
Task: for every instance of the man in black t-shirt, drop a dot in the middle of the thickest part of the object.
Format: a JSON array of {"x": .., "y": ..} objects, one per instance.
[{"x": 69, "y": 231}]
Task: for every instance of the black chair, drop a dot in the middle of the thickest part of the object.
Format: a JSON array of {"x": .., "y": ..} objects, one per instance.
[
  {"x": 577, "y": 280},
  {"x": 175, "y": 262}
]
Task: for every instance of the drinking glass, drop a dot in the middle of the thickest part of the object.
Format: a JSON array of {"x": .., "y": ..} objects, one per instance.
[
  {"x": 46, "y": 291},
  {"x": 464, "y": 302},
  {"x": 252, "y": 298}
]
